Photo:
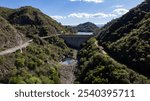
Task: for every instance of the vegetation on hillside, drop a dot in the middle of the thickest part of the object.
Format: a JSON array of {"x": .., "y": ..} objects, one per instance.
[
  {"x": 86, "y": 27},
  {"x": 9, "y": 36},
  {"x": 31, "y": 21},
  {"x": 38, "y": 63},
  {"x": 96, "y": 67},
  {"x": 72, "y": 29},
  {"x": 127, "y": 39}
]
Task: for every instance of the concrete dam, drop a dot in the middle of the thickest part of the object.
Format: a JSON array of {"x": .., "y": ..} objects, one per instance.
[{"x": 75, "y": 41}]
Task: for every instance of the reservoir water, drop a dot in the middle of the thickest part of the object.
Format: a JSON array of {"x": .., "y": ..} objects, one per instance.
[{"x": 84, "y": 33}]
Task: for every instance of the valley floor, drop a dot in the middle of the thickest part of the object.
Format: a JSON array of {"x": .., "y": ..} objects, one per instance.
[
  {"x": 67, "y": 71},
  {"x": 67, "y": 74}
]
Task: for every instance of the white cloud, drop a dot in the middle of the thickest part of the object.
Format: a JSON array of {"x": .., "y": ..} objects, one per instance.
[
  {"x": 120, "y": 11},
  {"x": 95, "y": 17},
  {"x": 103, "y": 15},
  {"x": 58, "y": 17},
  {"x": 88, "y": 15},
  {"x": 94, "y": 1},
  {"x": 118, "y": 6},
  {"x": 79, "y": 15},
  {"x": 85, "y": 16}
]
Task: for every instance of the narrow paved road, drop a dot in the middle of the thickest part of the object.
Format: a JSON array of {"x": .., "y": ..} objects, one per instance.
[
  {"x": 12, "y": 50},
  {"x": 100, "y": 47}
]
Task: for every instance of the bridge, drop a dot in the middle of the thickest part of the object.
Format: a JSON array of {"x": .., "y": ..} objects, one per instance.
[{"x": 75, "y": 41}]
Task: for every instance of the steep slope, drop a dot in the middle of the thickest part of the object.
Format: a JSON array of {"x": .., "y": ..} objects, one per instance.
[
  {"x": 86, "y": 27},
  {"x": 127, "y": 39},
  {"x": 96, "y": 66},
  {"x": 32, "y": 21},
  {"x": 16, "y": 25},
  {"x": 39, "y": 62},
  {"x": 9, "y": 36}
]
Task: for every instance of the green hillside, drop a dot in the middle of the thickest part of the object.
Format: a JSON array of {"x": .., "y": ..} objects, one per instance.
[
  {"x": 86, "y": 27},
  {"x": 31, "y": 21},
  {"x": 40, "y": 61},
  {"x": 97, "y": 67},
  {"x": 119, "y": 53},
  {"x": 127, "y": 39},
  {"x": 9, "y": 36},
  {"x": 125, "y": 55}
]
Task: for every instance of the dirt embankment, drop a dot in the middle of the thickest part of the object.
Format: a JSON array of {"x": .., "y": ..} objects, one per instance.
[{"x": 67, "y": 75}]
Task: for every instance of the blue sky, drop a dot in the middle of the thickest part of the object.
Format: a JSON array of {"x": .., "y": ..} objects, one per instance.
[{"x": 73, "y": 12}]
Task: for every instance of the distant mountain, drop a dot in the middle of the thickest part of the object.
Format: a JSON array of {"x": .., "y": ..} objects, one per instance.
[
  {"x": 127, "y": 38},
  {"x": 86, "y": 27}
]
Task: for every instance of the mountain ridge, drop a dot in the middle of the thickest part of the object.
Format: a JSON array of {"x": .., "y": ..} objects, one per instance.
[
  {"x": 38, "y": 62},
  {"x": 127, "y": 38},
  {"x": 86, "y": 27},
  {"x": 26, "y": 22}
]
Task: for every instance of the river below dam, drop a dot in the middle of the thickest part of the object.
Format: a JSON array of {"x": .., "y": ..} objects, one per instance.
[
  {"x": 68, "y": 61},
  {"x": 69, "y": 66},
  {"x": 67, "y": 69}
]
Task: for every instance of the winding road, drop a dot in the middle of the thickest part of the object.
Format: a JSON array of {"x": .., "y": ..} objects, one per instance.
[
  {"x": 100, "y": 47},
  {"x": 24, "y": 45},
  {"x": 12, "y": 50}
]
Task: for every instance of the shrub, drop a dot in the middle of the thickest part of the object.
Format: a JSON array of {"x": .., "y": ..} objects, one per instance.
[
  {"x": 20, "y": 62},
  {"x": 32, "y": 65},
  {"x": 16, "y": 80},
  {"x": 46, "y": 80},
  {"x": 34, "y": 80}
]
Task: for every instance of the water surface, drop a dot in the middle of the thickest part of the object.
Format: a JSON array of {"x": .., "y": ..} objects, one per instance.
[
  {"x": 85, "y": 33},
  {"x": 68, "y": 61}
]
